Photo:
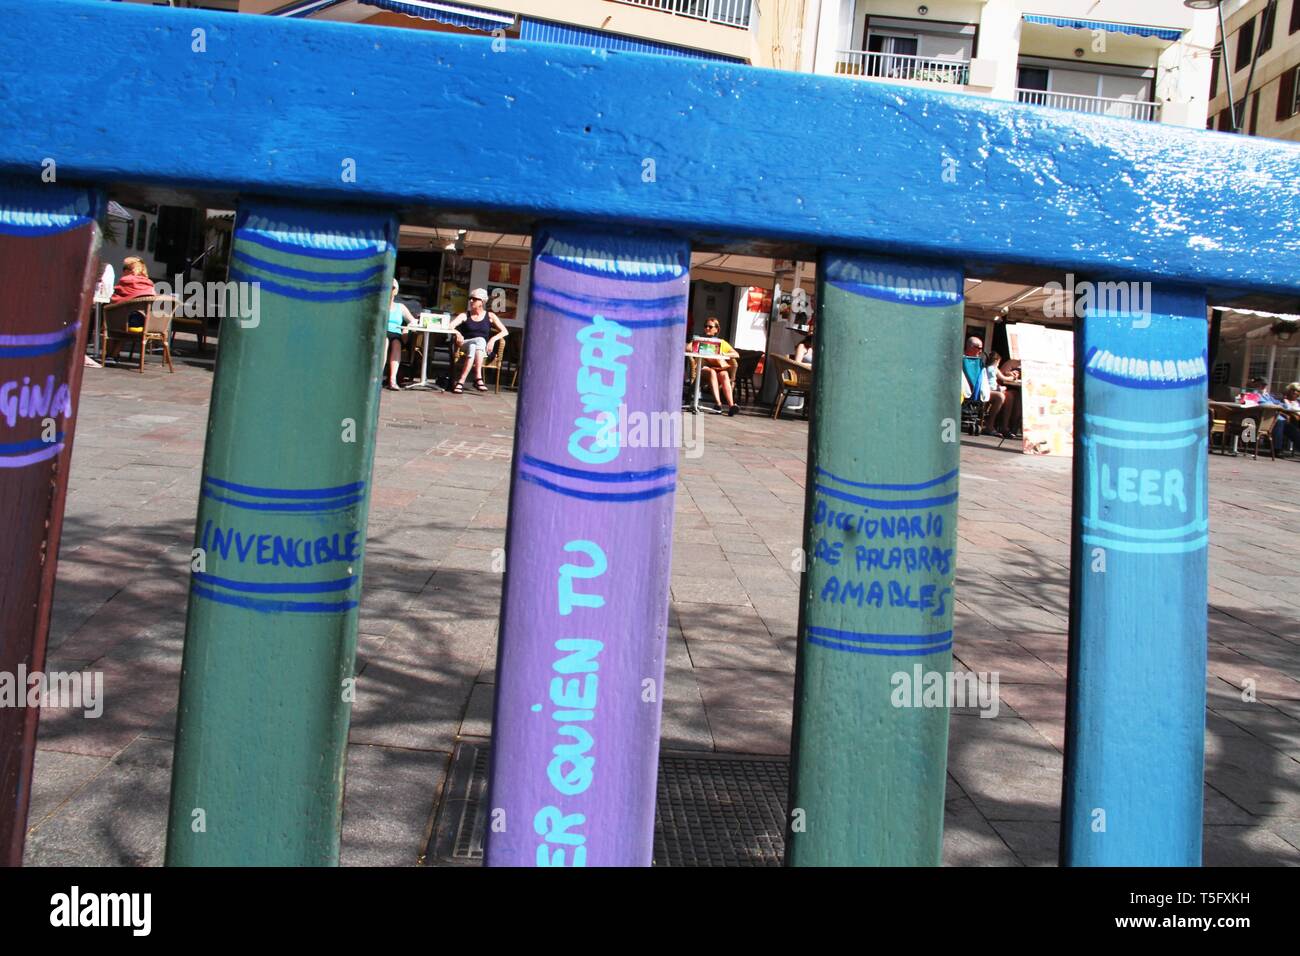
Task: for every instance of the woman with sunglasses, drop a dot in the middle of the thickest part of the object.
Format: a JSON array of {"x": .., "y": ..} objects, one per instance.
[{"x": 719, "y": 370}]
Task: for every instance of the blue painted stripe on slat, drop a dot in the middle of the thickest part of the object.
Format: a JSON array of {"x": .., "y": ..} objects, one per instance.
[
  {"x": 310, "y": 232},
  {"x": 17, "y": 447},
  {"x": 273, "y": 587},
  {"x": 285, "y": 507},
  {"x": 310, "y": 275},
  {"x": 589, "y": 475},
  {"x": 306, "y": 295},
  {"x": 45, "y": 209},
  {"x": 1148, "y": 547},
  {"x": 345, "y": 255},
  {"x": 308, "y": 493},
  {"x": 900, "y": 505},
  {"x": 32, "y": 458},
  {"x": 264, "y": 606},
  {"x": 600, "y": 303},
  {"x": 12, "y": 352},
  {"x": 44, "y": 338},
  {"x": 918, "y": 486},
  {"x": 1146, "y": 384},
  {"x": 925, "y": 299},
  {"x": 862, "y": 638},
  {"x": 616, "y": 497},
  {"x": 1148, "y": 428},
  {"x": 882, "y": 651},
  {"x": 634, "y": 259},
  {"x": 1144, "y": 444},
  {"x": 542, "y": 299},
  {"x": 1192, "y": 527}
]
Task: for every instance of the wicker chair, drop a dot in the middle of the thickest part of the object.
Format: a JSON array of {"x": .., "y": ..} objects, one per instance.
[
  {"x": 159, "y": 310},
  {"x": 796, "y": 379},
  {"x": 493, "y": 362}
]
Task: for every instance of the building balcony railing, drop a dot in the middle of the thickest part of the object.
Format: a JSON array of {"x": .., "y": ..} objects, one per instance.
[
  {"x": 899, "y": 66},
  {"x": 1081, "y": 102},
  {"x": 732, "y": 13}
]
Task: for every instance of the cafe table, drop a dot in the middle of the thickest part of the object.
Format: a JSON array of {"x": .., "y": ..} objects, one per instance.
[
  {"x": 718, "y": 360},
  {"x": 431, "y": 323}
]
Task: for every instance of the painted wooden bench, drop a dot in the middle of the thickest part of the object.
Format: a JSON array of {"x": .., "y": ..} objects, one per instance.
[{"x": 618, "y": 165}]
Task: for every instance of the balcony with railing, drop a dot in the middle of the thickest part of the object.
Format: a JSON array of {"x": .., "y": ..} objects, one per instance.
[
  {"x": 732, "y": 13},
  {"x": 1103, "y": 105},
  {"x": 947, "y": 71}
]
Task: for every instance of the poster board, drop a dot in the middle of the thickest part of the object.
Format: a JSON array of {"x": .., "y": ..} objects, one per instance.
[{"x": 1047, "y": 387}]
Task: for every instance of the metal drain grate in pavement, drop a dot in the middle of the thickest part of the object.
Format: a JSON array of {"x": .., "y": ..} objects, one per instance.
[{"x": 711, "y": 809}]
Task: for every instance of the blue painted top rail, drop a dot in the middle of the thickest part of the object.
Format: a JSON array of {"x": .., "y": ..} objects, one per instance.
[{"x": 464, "y": 130}]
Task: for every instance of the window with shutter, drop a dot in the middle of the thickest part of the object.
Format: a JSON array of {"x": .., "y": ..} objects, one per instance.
[
  {"x": 1245, "y": 45},
  {"x": 1266, "y": 23},
  {"x": 1286, "y": 94}
]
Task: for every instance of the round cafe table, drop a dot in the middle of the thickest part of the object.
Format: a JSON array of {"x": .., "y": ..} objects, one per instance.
[{"x": 426, "y": 330}]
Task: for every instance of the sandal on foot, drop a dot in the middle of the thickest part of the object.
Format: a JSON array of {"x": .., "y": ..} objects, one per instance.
[
  {"x": 480, "y": 385},
  {"x": 458, "y": 388}
]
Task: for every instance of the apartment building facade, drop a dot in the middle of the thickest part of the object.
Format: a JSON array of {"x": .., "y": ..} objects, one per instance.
[
  {"x": 1262, "y": 54},
  {"x": 1148, "y": 61}
]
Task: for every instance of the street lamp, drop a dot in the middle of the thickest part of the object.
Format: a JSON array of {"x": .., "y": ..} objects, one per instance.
[{"x": 1223, "y": 52}]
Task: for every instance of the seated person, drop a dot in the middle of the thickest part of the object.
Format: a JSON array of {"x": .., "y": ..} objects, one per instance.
[
  {"x": 977, "y": 382},
  {"x": 477, "y": 332},
  {"x": 399, "y": 316},
  {"x": 134, "y": 283},
  {"x": 1006, "y": 375},
  {"x": 718, "y": 373},
  {"x": 803, "y": 352},
  {"x": 1287, "y": 428}
]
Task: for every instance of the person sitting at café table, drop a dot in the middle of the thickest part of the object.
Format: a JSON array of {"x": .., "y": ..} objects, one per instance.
[
  {"x": 803, "y": 352},
  {"x": 135, "y": 282},
  {"x": 1006, "y": 376},
  {"x": 477, "y": 333},
  {"x": 720, "y": 371},
  {"x": 1287, "y": 428},
  {"x": 399, "y": 316},
  {"x": 986, "y": 393}
]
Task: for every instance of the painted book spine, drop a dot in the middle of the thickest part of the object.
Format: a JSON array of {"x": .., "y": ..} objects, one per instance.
[
  {"x": 585, "y": 604},
  {"x": 275, "y": 583},
  {"x": 869, "y": 749}
]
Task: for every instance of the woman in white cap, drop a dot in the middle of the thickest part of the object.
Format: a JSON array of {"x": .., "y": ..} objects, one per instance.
[{"x": 475, "y": 330}]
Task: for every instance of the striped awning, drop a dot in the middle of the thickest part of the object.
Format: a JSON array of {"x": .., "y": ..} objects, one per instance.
[
  {"x": 1163, "y": 33},
  {"x": 453, "y": 14},
  {"x": 543, "y": 31}
]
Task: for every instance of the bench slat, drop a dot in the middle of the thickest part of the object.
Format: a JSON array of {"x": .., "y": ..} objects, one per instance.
[{"x": 513, "y": 132}]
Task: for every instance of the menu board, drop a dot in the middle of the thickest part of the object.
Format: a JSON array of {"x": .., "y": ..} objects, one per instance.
[{"x": 1047, "y": 387}]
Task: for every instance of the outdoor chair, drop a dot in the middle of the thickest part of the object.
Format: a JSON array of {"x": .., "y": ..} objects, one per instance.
[
  {"x": 158, "y": 310},
  {"x": 744, "y": 384},
  {"x": 1263, "y": 419},
  {"x": 1220, "y": 427},
  {"x": 972, "y": 409},
  {"x": 513, "y": 358},
  {"x": 796, "y": 379},
  {"x": 492, "y": 362}
]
